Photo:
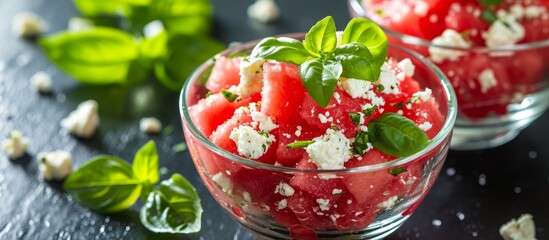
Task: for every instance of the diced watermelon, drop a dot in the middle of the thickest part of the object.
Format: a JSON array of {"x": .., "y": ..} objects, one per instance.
[
  {"x": 314, "y": 185},
  {"x": 225, "y": 73},
  {"x": 308, "y": 212},
  {"x": 260, "y": 184},
  {"x": 282, "y": 91},
  {"x": 465, "y": 21},
  {"x": 352, "y": 215},
  {"x": 286, "y": 134}
]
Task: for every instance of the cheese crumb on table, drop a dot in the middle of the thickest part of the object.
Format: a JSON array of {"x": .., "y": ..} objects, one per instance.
[
  {"x": 150, "y": 125},
  {"x": 27, "y": 24},
  {"x": 83, "y": 121},
  {"x": 521, "y": 229},
  {"x": 55, "y": 165},
  {"x": 16, "y": 145},
  {"x": 264, "y": 11},
  {"x": 41, "y": 82}
]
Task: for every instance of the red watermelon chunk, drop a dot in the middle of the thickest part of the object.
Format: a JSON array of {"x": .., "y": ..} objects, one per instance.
[
  {"x": 314, "y": 185},
  {"x": 351, "y": 215},
  {"x": 225, "y": 73},
  {"x": 308, "y": 212}
]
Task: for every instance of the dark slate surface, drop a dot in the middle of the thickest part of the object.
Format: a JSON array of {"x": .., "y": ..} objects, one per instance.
[{"x": 475, "y": 193}]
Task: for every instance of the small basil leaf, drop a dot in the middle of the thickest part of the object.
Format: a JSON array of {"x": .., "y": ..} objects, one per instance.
[
  {"x": 145, "y": 163},
  {"x": 396, "y": 135},
  {"x": 489, "y": 16},
  {"x": 281, "y": 49},
  {"x": 490, "y": 2},
  {"x": 105, "y": 184},
  {"x": 228, "y": 95},
  {"x": 300, "y": 144},
  {"x": 361, "y": 142},
  {"x": 367, "y": 33},
  {"x": 355, "y": 117},
  {"x": 173, "y": 208},
  {"x": 320, "y": 79},
  {"x": 96, "y": 56},
  {"x": 396, "y": 171},
  {"x": 321, "y": 38},
  {"x": 185, "y": 54},
  {"x": 369, "y": 111},
  {"x": 357, "y": 62}
]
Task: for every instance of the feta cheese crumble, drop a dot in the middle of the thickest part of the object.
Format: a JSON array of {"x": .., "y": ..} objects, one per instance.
[
  {"x": 337, "y": 191},
  {"x": 16, "y": 145},
  {"x": 41, "y": 82},
  {"x": 330, "y": 151},
  {"x": 27, "y": 24},
  {"x": 223, "y": 182},
  {"x": 407, "y": 67},
  {"x": 251, "y": 76},
  {"x": 55, "y": 165},
  {"x": 265, "y": 123},
  {"x": 423, "y": 95},
  {"x": 83, "y": 121},
  {"x": 324, "y": 204},
  {"x": 521, "y": 229},
  {"x": 504, "y": 32},
  {"x": 425, "y": 126},
  {"x": 150, "y": 125},
  {"x": 355, "y": 87},
  {"x": 388, "y": 80},
  {"x": 251, "y": 143},
  {"x": 388, "y": 204},
  {"x": 284, "y": 189},
  {"x": 264, "y": 11},
  {"x": 449, "y": 38},
  {"x": 281, "y": 204},
  {"x": 487, "y": 80}
]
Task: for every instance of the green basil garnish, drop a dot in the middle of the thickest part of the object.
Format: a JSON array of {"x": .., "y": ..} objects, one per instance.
[
  {"x": 396, "y": 135},
  {"x": 229, "y": 95},
  {"x": 396, "y": 171},
  {"x": 300, "y": 144}
]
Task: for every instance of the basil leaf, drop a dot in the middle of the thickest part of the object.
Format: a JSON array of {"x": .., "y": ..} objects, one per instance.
[
  {"x": 369, "y": 111},
  {"x": 357, "y": 62},
  {"x": 300, "y": 144},
  {"x": 155, "y": 48},
  {"x": 320, "y": 79},
  {"x": 183, "y": 16},
  {"x": 281, "y": 49},
  {"x": 489, "y": 16},
  {"x": 367, "y": 33},
  {"x": 185, "y": 54},
  {"x": 321, "y": 38},
  {"x": 145, "y": 163},
  {"x": 173, "y": 208},
  {"x": 396, "y": 171},
  {"x": 105, "y": 184},
  {"x": 96, "y": 56},
  {"x": 490, "y": 2},
  {"x": 396, "y": 135},
  {"x": 228, "y": 95},
  {"x": 95, "y": 7},
  {"x": 355, "y": 117},
  {"x": 360, "y": 145}
]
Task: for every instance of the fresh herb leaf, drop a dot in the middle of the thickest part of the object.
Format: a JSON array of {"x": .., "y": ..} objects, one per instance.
[
  {"x": 357, "y": 62},
  {"x": 379, "y": 12},
  {"x": 334, "y": 127},
  {"x": 281, "y": 49},
  {"x": 321, "y": 38},
  {"x": 490, "y": 2},
  {"x": 367, "y": 33},
  {"x": 173, "y": 208},
  {"x": 300, "y": 144},
  {"x": 399, "y": 105},
  {"x": 369, "y": 111},
  {"x": 396, "y": 135},
  {"x": 489, "y": 16},
  {"x": 355, "y": 117},
  {"x": 361, "y": 142},
  {"x": 380, "y": 87},
  {"x": 96, "y": 56},
  {"x": 230, "y": 96},
  {"x": 105, "y": 184},
  {"x": 145, "y": 163},
  {"x": 320, "y": 79},
  {"x": 396, "y": 171},
  {"x": 191, "y": 17}
]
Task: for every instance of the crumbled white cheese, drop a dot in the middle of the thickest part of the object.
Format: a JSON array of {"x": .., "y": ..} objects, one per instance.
[
  {"x": 521, "y": 229},
  {"x": 284, "y": 189},
  {"x": 324, "y": 118},
  {"x": 531, "y": 12},
  {"x": 337, "y": 191},
  {"x": 246, "y": 196},
  {"x": 223, "y": 182},
  {"x": 78, "y": 24},
  {"x": 265, "y": 123},
  {"x": 150, "y": 125},
  {"x": 423, "y": 95},
  {"x": 281, "y": 204},
  {"x": 83, "y": 121},
  {"x": 264, "y": 11},
  {"x": 27, "y": 24},
  {"x": 355, "y": 87},
  {"x": 517, "y": 11},
  {"x": 487, "y": 80},
  {"x": 41, "y": 82},
  {"x": 388, "y": 80},
  {"x": 449, "y": 38},
  {"x": 388, "y": 204},
  {"x": 425, "y": 126},
  {"x": 55, "y": 165},
  {"x": 421, "y": 8},
  {"x": 337, "y": 97},
  {"x": 407, "y": 67},
  {"x": 251, "y": 143},
  {"x": 330, "y": 151},
  {"x": 16, "y": 145},
  {"x": 324, "y": 204},
  {"x": 504, "y": 32},
  {"x": 251, "y": 76},
  {"x": 298, "y": 131}
]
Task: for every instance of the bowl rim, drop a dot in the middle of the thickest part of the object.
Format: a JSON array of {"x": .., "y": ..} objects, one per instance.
[
  {"x": 357, "y": 7},
  {"x": 438, "y": 140}
]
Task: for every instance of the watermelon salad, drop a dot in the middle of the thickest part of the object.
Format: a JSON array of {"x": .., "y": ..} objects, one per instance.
[
  {"x": 263, "y": 110},
  {"x": 486, "y": 81}
]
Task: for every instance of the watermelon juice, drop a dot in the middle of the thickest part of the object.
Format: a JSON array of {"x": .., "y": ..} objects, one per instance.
[
  {"x": 286, "y": 167},
  {"x": 495, "y": 53}
]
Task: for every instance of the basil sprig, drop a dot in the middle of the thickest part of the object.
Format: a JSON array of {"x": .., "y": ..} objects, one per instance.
[
  {"x": 490, "y": 2},
  {"x": 396, "y": 135},
  {"x": 360, "y": 54},
  {"x": 109, "y": 184}
]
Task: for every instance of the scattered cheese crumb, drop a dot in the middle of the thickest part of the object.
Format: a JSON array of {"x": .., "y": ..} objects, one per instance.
[
  {"x": 55, "y": 165},
  {"x": 425, "y": 126},
  {"x": 41, "y": 82},
  {"x": 504, "y": 32},
  {"x": 298, "y": 131},
  {"x": 251, "y": 143},
  {"x": 449, "y": 38},
  {"x": 150, "y": 125},
  {"x": 281, "y": 204},
  {"x": 407, "y": 67},
  {"x": 324, "y": 204},
  {"x": 532, "y": 12},
  {"x": 251, "y": 76},
  {"x": 16, "y": 145},
  {"x": 223, "y": 182},
  {"x": 337, "y": 191},
  {"x": 487, "y": 80},
  {"x": 388, "y": 80},
  {"x": 264, "y": 11},
  {"x": 284, "y": 189},
  {"x": 265, "y": 123},
  {"x": 27, "y": 24},
  {"x": 421, "y": 8},
  {"x": 337, "y": 97},
  {"x": 246, "y": 196},
  {"x": 388, "y": 204},
  {"x": 355, "y": 87},
  {"x": 330, "y": 151},
  {"x": 83, "y": 121},
  {"x": 423, "y": 95},
  {"x": 521, "y": 229}
]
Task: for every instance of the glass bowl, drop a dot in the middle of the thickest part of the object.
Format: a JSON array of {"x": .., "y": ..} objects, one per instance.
[
  {"x": 493, "y": 110},
  {"x": 251, "y": 191}
]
